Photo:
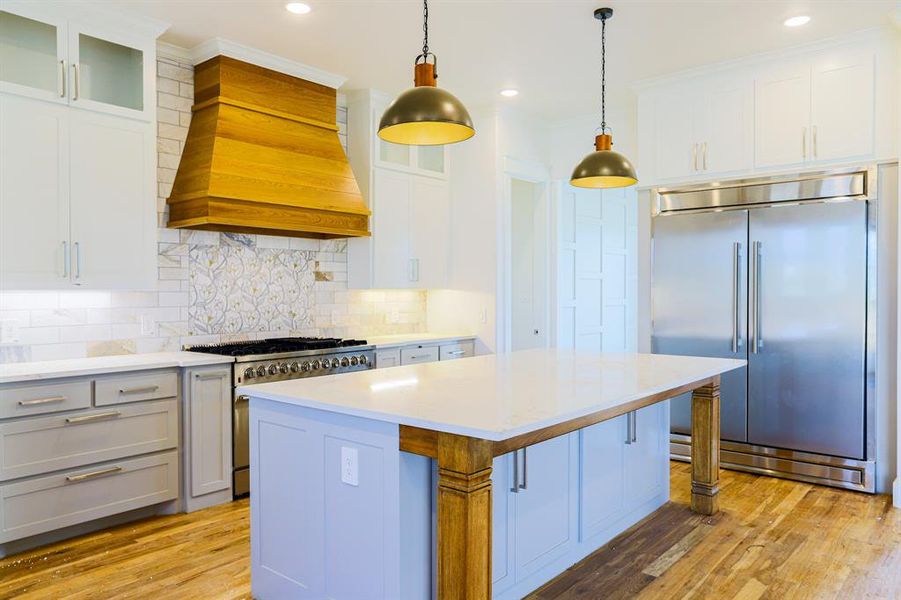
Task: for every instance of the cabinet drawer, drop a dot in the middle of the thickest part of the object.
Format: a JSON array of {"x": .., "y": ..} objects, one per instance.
[
  {"x": 387, "y": 358},
  {"x": 46, "y": 503},
  {"x": 455, "y": 351},
  {"x": 43, "y": 399},
  {"x": 134, "y": 388},
  {"x": 44, "y": 444},
  {"x": 420, "y": 354}
]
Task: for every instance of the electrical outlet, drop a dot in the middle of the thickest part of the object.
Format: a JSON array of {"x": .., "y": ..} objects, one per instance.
[
  {"x": 350, "y": 466},
  {"x": 483, "y": 316},
  {"x": 393, "y": 315},
  {"x": 9, "y": 331},
  {"x": 148, "y": 325}
]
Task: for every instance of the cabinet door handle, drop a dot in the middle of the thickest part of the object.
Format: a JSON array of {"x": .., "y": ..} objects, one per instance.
[
  {"x": 39, "y": 401},
  {"x": 525, "y": 470},
  {"x": 803, "y": 142},
  {"x": 694, "y": 157},
  {"x": 77, "y": 81},
  {"x": 704, "y": 156},
  {"x": 92, "y": 474},
  {"x": 631, "y": 429},
  {"x": 456, "y": 352},
  {"x": 206, "y": 376},
  {"x": 77, "y": 247},
  {"x": 634, "y": 427},
  {"x": 140, "y": 390},
  {"x": 515, "y": 488},
  {"x": 66, "y": 260},
  {"x": 414, "y": 270},
  {"x": 61, "y": 84},
  {"x": 813, "y": 132},
  {"x": 91, "y": 418}
]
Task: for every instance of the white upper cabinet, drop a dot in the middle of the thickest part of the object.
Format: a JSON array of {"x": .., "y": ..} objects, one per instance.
[
  {"x": 408, "y": 193},
  {"x": 841, "y": 110},
  {"x": 46, "y": 54},
  {"x": 813, "y": 107},
  {"x": 782, "y": 117}
]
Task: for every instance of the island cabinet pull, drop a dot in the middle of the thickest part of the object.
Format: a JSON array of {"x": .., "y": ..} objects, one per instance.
[
  {"x": 91, "y": 418},
  {"x": 38, "y": 401},
  {"x": 520, "y": 483},
  {"x": 525, "y": 470},
  {"x": 515, "y": 488},
  {"x": 140, "y": 390},
  {"x": 631, "y": 427},
  {"x": 92, "y": 474}
]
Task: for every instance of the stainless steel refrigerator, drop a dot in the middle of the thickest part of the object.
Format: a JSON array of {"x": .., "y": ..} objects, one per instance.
[{"x": 775, "y": 271}]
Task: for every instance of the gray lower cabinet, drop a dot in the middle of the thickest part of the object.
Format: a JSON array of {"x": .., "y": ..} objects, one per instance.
[
  {"x": 424, "y": 353},
  {"x": 208, "y": 436}
]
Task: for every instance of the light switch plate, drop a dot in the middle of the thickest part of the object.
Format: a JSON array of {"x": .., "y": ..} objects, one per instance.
[{"x": 350, "y": 466}]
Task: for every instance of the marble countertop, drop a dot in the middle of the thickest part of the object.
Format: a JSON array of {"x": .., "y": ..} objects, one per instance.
[
  {"x": 73, "y": 367},
  {"x": 495, "y": 397},
  {"x": 406, "y": 339}
]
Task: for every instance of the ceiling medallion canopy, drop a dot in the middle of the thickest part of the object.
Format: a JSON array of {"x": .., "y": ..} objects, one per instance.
[
  {"x": 603, "y": 168},
  {"x": 426, "y": 115}
]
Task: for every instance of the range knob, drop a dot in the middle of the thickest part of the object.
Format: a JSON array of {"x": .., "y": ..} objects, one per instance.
[
  {"x": 363, "y": 359},
  {"x": 335, "y": 363},
  {"x": 314, "y": 365},
  {"x": 249, "y": 373},
  {"x": 305, "y": 366},
  {"x": 345, "y": 361},
  {"x": 273, "y": 369},
  {"x": 295, "y": 367},
  {"x": 283, "y": 368},
  {"x": 354, "y": 360},
  {"x": 261, "y": 371}
]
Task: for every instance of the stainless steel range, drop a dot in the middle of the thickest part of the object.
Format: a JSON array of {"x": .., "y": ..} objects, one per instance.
[{"x": 262, "y": 361}]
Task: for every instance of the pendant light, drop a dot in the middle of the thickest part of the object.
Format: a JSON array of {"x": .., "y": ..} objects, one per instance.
[
  {"x": 603, "y": 168},
  {"x": 426, "y": 115}
]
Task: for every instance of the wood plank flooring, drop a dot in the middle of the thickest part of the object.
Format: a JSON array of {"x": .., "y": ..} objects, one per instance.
[{"x": 773, "y": 539}]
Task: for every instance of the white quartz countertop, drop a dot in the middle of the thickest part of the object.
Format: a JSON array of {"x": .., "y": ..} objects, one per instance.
[
  {"x": 406, "y": 339},
  {"x": 73, "y": 367},
  {"x": 495, "y": 397}
]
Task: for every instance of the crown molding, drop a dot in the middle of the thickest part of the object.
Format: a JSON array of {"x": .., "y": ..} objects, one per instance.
[{"x": 221, "y": 47}]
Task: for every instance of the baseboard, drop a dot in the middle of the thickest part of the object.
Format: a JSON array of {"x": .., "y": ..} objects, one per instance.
[{"x": 896, "y": 492}]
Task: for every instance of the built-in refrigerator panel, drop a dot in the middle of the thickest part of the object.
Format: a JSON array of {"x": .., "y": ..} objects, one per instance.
[
  {"x": 807, "y": 336},
  {"x": 699, "y": 303}
]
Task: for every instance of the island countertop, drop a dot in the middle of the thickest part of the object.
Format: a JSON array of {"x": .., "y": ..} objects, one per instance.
[{"x": 496, "y": 397}]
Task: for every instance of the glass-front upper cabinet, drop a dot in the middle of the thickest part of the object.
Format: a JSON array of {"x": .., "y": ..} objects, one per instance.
[
  {"x": 32, "y": 56},
  {"x": 49, "y": 57},
  {"x": 422, "y": 160}
]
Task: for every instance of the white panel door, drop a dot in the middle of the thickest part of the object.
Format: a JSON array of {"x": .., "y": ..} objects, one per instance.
[
  {"x": 725, "y": 129},
  {"x": 842, "y": 108},
  {"x": 782, "y": 117},
  {"x": 589, "y": 265},
  {"x": 391, "y": 229},
  {"x": 674, "y": 133},
  {"x": 429, "y": 233},
  {"x": 113, "y": 201},
  {"x": 34, "y": 194}
]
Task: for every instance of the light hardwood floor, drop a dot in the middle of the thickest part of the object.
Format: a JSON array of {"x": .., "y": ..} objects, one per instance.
[{"x": 773, "y": 539}]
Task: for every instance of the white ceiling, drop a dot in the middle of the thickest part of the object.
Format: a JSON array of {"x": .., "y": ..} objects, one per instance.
[{"x": 549, "y": 50}]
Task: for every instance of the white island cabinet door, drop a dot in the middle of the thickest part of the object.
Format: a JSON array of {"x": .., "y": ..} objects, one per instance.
[
  {"x": 842, "y": 108},
  {"x": 782, "y": 117},
  {"x": 209, "y": 405},
  {"x": 544, "y": 505},
  {"x": 602, "y": 492},
  {"x": 113, "y": 205},
  {"x": 646, "y": 455},
  {"x": 34, "y": 205}
]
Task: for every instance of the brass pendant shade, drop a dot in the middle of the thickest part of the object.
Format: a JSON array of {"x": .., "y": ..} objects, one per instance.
[
  {"x": 426, "y": 115},
  {"x": 603, "y": 168}
]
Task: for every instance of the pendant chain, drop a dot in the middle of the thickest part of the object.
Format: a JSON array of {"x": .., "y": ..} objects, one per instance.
[
  {"x": 425, "y": 29},
  {"x": 603, "y": 75}
]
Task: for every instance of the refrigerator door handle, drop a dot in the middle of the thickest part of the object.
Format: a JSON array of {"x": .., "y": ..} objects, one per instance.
[
  {"x": 736, "y": 296},
  {"x": 756, "y": 342}
]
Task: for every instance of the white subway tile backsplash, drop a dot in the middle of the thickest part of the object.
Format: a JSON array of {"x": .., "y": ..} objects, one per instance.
[{"x": 73, "y": 324}]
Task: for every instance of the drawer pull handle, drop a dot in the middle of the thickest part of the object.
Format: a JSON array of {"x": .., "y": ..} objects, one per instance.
[
  {"x": 206, "y": 376},
  {"x": 97, "y": 417},
  {"x": 456, "y": 353},
  {"x": 37, "y": 401},
  {"x": 92, "y": 474},
  {"x": 140, "y": 390}
]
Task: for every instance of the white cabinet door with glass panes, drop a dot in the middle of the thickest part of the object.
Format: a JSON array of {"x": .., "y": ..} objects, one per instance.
[{"x": 596, "y": 271}]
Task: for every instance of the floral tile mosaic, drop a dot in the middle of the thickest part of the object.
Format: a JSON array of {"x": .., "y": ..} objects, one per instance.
[{"x": 237, "y": 288}]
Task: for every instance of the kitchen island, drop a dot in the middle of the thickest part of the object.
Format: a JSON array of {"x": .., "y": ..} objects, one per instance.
[{"x": 385, "y": 483}]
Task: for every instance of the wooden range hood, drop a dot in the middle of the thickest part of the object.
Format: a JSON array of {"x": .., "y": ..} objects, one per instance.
[{"x": 263, "y": 156}]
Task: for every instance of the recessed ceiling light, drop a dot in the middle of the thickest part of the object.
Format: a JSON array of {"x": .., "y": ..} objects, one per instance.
[
  {"x": 298, "y": 8},
  {"x": 797, "y": 21},
  {"x": 509, "y": 93}
]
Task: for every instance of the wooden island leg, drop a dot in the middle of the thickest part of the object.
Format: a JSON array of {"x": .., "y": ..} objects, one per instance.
[
  {"x": 464, "y": 518},
  {"x": 705, "y": 448}
]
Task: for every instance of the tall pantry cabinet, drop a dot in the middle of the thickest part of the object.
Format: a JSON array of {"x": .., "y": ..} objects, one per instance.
[{"x": 78, "y": 149}]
